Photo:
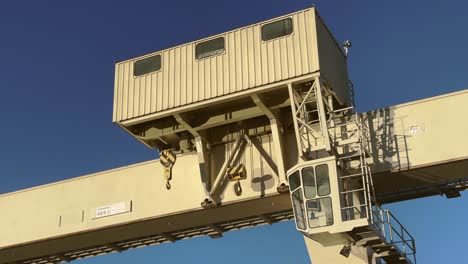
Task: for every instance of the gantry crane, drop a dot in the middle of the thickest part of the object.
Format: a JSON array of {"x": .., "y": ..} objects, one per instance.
[{"x": 253, "y": 126}]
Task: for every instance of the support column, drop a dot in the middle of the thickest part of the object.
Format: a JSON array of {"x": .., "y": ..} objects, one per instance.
[
  {"x": 201, "y": 146},
  {"x": 292, "y": 99},
  {"x": 322, "y": 116},
  {"x": 277, "y": 139}
]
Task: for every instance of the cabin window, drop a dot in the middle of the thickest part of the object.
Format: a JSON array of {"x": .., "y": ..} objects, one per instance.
[
  {"x": 147, "y": 65},
  {"x": 320, "y": 212},
  {"x": 323, "y": 180},
  {"x": 277, "y": 29},
  {"x": 298, "y": 208},
  {"x": 294, "y": 181},
  {"x": 308, "y": 180},
  {"x": 209, "y": 48}
]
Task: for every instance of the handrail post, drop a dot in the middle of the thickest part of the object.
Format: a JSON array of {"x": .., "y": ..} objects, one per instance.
[
  {"x": 403, "y": 238},
  {"x": 382, "y": 225},
  {"x": 390, "y": 226}
]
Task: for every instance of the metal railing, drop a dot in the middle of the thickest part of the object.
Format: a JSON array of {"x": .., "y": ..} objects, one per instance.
[
  {"x": 307, "y": 102},
  {"x": 393, "y": 232}
]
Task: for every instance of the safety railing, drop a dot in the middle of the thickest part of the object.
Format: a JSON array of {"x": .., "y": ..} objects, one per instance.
[
  {"x": 308, "y": 104},
  {"x": 394, "y": 233}
]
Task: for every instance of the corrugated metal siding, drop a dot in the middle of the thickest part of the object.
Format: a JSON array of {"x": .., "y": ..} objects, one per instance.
[
  {"x": 333, "y": 66},
  {"x": 247, "y": 62}
]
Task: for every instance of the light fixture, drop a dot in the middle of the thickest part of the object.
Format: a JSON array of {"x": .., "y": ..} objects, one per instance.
[
  {"x": 346, "y": 46},
  {"x": 346, "y": 250}
]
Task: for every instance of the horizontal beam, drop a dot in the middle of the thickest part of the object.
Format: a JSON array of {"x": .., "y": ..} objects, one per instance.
[{"x": 154, "y": 133}]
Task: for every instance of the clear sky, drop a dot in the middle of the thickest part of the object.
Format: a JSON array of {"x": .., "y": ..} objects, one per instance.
[{"x": 56, "y": 89}]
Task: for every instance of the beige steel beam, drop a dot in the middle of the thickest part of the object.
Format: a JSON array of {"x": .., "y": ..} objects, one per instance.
[
  {"x": 277, "y": 138},
  {"x": 124, "y": 208},
  {"x": 419, "y": 148}
]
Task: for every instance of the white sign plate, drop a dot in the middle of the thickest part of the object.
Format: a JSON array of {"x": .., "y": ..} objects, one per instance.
[
  {"x": 415, "y": 129},
  {"x": 113, "y": 209}
]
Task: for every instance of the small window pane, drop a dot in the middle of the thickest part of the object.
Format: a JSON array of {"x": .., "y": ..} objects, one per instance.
[
  {"x": 323, "y": 180},
  {"x": 294, "y": 181},
  {"x": 308, "y": 180},
  {"x": 277, "y": 29},
  {"x": 319, "y": 212},
  {"x": 147, "y": 65},
  {"x": 209, "y": 48},
  {"x": 298, "y": 208}
]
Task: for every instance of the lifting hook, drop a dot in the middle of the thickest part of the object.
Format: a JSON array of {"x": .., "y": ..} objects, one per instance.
[{"x": 167, "y": 159}]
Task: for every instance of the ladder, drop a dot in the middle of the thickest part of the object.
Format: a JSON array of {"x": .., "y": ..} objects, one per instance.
[{"x": 350, "y": 137}]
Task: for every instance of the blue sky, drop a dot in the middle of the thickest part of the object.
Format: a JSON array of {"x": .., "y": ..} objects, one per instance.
[{"x": 56, "y": 81}]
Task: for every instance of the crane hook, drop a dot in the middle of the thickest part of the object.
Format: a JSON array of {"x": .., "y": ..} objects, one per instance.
[
  {"x": 238, "y": 188},
  {"x": 168, "y": 185}
]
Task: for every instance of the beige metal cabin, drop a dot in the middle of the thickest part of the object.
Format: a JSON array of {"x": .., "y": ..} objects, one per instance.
[{"x": 229, "y": 65}]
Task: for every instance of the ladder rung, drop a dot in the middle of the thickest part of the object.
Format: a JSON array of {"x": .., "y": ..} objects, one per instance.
[
  {"x": 343, "y": 109},
  {"x": 350, "y": 156},
  {"x": 351, "y": 176},
  {"x": 347, "y": 141},
  {"x": 356, "y": 207},
  {"x": 357, "y": 190}
]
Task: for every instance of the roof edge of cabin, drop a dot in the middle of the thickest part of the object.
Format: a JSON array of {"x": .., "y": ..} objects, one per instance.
[{"x": 121, "y": 61}]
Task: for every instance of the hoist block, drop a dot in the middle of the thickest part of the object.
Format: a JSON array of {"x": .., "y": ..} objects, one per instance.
[{"x": 236, "y": 173}]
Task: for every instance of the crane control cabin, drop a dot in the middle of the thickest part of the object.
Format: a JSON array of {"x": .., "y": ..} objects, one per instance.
[{"x": 249, "y": 124}]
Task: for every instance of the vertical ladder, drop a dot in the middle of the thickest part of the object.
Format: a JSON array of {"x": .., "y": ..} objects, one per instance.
[{"x": 350, "y": 137}]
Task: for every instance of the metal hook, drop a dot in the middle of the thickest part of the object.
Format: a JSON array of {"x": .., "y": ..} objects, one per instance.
[
  {"x": 168, "y": 185},
  {"x": 238, "y": 188}
]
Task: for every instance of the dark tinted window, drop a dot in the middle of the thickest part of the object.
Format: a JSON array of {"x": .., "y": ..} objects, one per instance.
[
  {"x": 147, "y": 65},
  {"x": 308, "y": 180},
  {"x": 294, "y": 181},
  {"x": 209, "y": 48},
  {"x": 298, "y": 208},
  {"x": 277, "y": 29},
  {"x": 320, "y": 212},
  {"x": 323, "y": 180}
]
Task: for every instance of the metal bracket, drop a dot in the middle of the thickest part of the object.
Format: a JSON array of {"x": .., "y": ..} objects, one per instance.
[{"x": 238, "y": 147}]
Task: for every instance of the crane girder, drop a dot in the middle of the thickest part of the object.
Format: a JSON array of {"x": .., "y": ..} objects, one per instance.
[{"x": 415, "y": 151}]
